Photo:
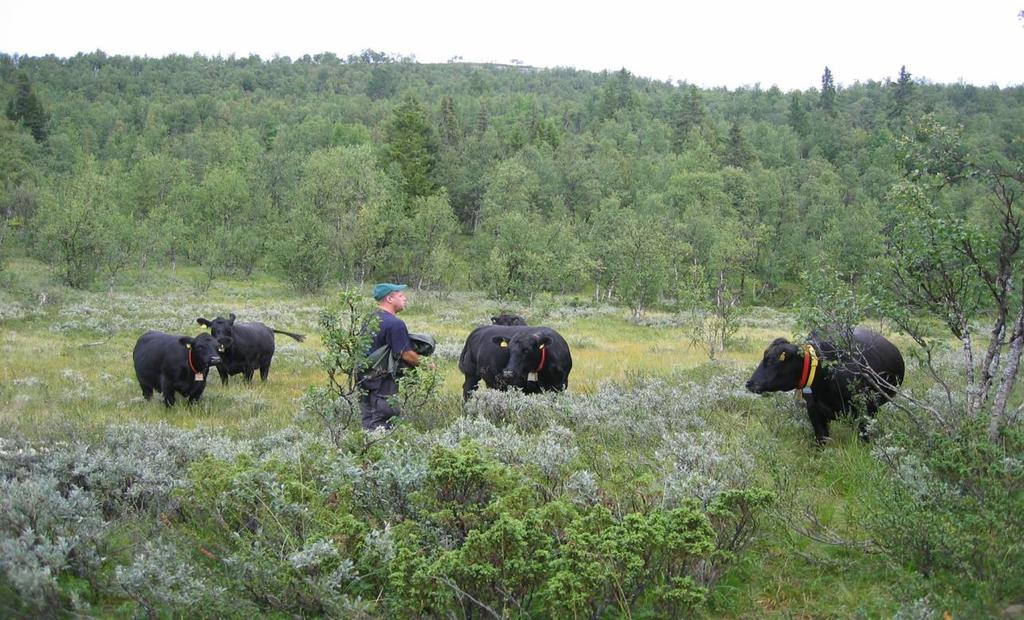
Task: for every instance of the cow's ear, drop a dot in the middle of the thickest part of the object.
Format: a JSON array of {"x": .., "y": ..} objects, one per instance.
[
  {"x": 186, "y": 341},
  {"x": 544, "y": 341},
  {"x": 500, "y": 341},
  {"x": 231, "y": 318},
  {"x": 203, "y": 321},
  {"x": 494, "y": 319}
]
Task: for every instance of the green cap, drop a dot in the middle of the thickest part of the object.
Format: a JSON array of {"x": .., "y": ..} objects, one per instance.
[{"x": 384, "y": 289}]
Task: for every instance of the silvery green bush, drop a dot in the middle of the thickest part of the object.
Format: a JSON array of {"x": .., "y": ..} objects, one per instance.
[
  {"x": 385, "y": 485},
  {"x": 160, "y": 577},
  {"x": 46, "y": 529},
  {"x": 702, "y": 465}
]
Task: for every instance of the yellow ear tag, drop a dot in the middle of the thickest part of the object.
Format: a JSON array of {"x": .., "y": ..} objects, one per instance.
[
  {"x": 782, "y": 356},
  {"x": 188, "y": 346},
  {"x": 504, "y": 344},
  {"x": 541, "y": 346}
]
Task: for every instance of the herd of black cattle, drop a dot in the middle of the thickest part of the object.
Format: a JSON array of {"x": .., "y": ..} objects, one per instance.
[{"x": 837, "y": 374}]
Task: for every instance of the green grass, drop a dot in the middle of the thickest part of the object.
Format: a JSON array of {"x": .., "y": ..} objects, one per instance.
[
  {"x": 68, "y": 360},
  {"x": 66, "y": 371}
]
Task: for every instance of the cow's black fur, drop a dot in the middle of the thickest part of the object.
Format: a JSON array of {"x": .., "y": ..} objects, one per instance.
[
  {"x": 169, "y": 364},
  {"x": 502, "y": 367},
  {"x": 859, "y": 371},
  {"x": 247, "y": 346},
  {"x": 508, "y": 320}
]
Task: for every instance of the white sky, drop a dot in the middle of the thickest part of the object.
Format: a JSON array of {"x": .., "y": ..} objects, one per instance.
[{"x": 709, "y": 43}]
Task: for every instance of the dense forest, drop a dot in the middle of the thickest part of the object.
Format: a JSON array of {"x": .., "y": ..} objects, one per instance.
[{"x": 502, "y": 178}]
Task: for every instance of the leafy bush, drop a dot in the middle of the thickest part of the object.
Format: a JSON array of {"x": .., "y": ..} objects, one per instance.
[
  {"x": 287, "y": 540},
  {"x": 951, "y": 505}
]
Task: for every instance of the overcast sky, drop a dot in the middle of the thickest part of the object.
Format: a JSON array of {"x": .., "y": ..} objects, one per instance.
[{"x": 708, "y": 42}]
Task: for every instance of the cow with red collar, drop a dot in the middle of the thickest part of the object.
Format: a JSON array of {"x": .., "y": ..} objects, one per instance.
[
  {"x": 170, "y": 364},
  {"x": 857, "y": 371},
  {"x": 533, "y": 359}
]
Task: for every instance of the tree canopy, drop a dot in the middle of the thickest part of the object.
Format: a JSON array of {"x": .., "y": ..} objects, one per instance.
[{"x": 521, "y": 180}]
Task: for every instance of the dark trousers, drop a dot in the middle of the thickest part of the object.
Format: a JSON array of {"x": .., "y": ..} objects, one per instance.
[{"x": 373, "y": 401}]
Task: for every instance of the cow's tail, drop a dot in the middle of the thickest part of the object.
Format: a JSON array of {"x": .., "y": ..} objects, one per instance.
[{"x": 299, "y": 337}]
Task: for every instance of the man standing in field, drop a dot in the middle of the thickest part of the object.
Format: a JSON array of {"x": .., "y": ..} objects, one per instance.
[{"x": 377, "y": 383}]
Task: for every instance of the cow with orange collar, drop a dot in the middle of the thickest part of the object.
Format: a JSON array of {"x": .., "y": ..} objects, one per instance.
[{"x": 859, "y": 371}]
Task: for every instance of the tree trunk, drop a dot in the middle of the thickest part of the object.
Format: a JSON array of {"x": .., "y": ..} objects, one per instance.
[
  {"x": 973, "y": 390},
  {"x": 1008, "y": 380}
]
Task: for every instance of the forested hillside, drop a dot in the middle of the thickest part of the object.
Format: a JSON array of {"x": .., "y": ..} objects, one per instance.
[
  {"x": 501, "y": 178},
  {"x": 652, "y": 224}
]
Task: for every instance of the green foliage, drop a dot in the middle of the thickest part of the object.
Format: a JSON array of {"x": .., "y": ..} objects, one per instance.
[
  {"x": 423, "y": 251},
  {"x": 460, "y": 488},
  {"x": 85, "y": 230},
  {"x": 198, "y": 139},
  {"x": 714, "y": 311},
  {"x": 611, "y": 564},
  {"x": 301, "y": 251},
  {"x": 286, "y": 539},
  {"x": 831, "y": 303},
  {"x": 949, "y": 505},
  {"x": 356, "y": 204},
  {"x": 634, "y": 255},
  {"x": 348, "y": 334},
  {"x": 955, "y": 256}
]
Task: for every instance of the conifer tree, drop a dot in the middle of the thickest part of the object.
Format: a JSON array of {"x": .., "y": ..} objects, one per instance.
[
  {"x": 798, "y": 116},
  {"x": 828, "y": 93},
  {"x": 690, "y": 116},
  {"x": 903, "y": 91},
  {"x": 412, "y": 146},
  {"x": 26, "y": 108},
  {"x": 738, "y": 152},
  {"x": 450, "y": 133}
]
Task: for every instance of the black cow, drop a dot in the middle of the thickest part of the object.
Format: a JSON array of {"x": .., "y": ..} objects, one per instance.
[
  {"x": 835, "y": 374},
  {"x": 247, "y": 346},
  {"x": 533, "y": 359},
  {"x": 170, "y": 364},
  {"x": 508, "y": 320}
]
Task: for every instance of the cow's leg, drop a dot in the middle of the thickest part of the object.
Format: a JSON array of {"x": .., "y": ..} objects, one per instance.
[
  {"x": 264, "y": 371},
  {"x": 469, "y": 386},
  {"x": 248, "y": 373},
  {"x": 862, "y": 421},
  {"x": 147, "y": 392},
  {"x": 223, "y": 375},
  {"x": 167, "y": 389},
  {"x": 819, "y": 423}
]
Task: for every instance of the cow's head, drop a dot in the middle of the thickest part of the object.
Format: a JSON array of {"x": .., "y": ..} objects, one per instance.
[
  {"x": 222, "y": 330},
  {"x": 508, "y": 320},
  {"x": 204, "y": 351},
  {"x": 525, "y": 355},
  {"x": 779, "y": 370}
]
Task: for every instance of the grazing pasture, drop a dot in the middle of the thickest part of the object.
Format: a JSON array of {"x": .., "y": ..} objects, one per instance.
[{"x": 648, "y": 430}]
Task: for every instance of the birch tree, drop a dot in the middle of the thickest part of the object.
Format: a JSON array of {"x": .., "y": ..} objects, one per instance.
[{"x": 955, "y": 255}]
